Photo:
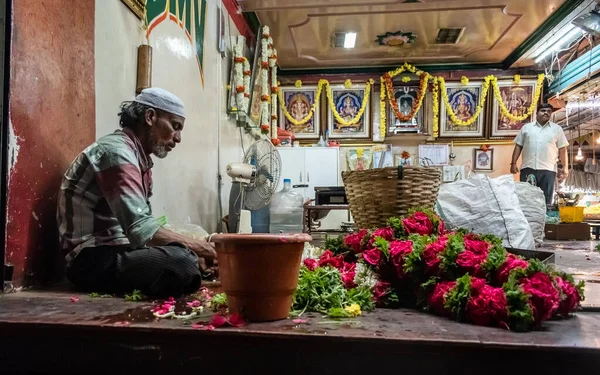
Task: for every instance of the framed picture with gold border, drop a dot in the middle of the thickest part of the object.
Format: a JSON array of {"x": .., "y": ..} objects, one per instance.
[
  {"x": 463, "y": 100},
  {"x": 348, "y": 103},
  {"x": 298, "y": 102},
  {"x": 517, "y": 99},
  {"x": 138, "y": 7}
]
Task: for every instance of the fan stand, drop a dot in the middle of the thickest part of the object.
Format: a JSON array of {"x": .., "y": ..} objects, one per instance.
[
  {"x": 244, "y": 226},
  {"x": 243, "y": 216}
]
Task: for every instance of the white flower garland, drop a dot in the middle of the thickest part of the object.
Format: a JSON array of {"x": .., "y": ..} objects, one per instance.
[
  {"x": 274, "y": 88},
  {"x": 241, "y": 76},
  {"x": 364, "y": 276},
  {"x": 265, "y": 52}
]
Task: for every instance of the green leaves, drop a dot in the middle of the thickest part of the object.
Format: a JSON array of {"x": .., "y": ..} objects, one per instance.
[
  {"x": 413, "y": 262},
  {"x": 383, "y": 245},
  {"x": 323, "y": 291},
  {"x": 319, "y": 290},
  {"x": 218, "y": 301},
  {"x": 98, "y": 295},
  {"x": 457, "y": 298},
  {"x": 361, "y": 295},
  {"x": 448, "y": 257},
  {"x": 335, "y": 245},
  {"x": 135, "y": 296},
  {"x": 520, "y": 312},
  {"x": 495, "y": 258},
  {"x": 396, "y": 224}
]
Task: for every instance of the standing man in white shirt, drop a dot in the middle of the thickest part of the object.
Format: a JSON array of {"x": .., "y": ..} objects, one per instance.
[{"x": 541, "y": 142}]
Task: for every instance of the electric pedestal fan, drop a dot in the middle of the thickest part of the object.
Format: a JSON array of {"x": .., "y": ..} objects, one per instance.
[{"x": 255, "y": 181}]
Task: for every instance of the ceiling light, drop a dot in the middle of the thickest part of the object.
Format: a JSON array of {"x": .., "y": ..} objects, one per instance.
[
  {"x": 559, "y": 44},
  {"x": 350, "y": 40},
  {"x": 579, "y": 155},
  {"x": 554, "y": 38}
]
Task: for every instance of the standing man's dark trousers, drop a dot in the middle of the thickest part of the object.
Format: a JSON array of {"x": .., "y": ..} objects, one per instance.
[
  {"x": 544, "y": 180},
  {"x": 158, "y": 271}
]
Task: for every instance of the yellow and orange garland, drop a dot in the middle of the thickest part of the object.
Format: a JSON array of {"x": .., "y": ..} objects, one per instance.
[
  {"x": 505, "y": 112},
  {"x": 386, "y": 92},
  {"x": 323, "y": 83},
  {"x": 480, "y": 105}
]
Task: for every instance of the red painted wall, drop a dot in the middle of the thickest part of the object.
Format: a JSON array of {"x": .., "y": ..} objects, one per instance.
[{"x": 52, "y": 114}]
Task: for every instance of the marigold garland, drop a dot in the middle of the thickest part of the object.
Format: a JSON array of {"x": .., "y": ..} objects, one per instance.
[
  {"x": 450, "y": 111},
  {"x": 436, "y": 107},
  {"x": 323, "y": 83},
  {"x": 382, "y": 114},
  {"x": 416, "y": 105},
  {"x": 336, "y": 114},
  {"x": 532, "y": 107}
]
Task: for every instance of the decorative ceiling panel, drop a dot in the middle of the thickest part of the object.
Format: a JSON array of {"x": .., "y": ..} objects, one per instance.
[{"x": 303, "y": 29}]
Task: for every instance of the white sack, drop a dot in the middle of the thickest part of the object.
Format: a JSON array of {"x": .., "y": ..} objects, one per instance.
[
  {"x": 533, "y": 205},
  {"x": 486, "y": 206}
]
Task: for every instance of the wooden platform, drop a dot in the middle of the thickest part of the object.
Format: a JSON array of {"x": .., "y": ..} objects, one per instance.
[{"x": 47, "y": 333}]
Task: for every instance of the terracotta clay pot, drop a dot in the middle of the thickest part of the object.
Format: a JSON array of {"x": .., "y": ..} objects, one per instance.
[{"x": 259, "y": 272}]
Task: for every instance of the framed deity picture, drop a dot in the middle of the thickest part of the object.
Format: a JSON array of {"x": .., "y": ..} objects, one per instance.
[
  {"x": 483, "y": 160},
  {"x": 463, "y": 100},
  {"x": 298, "y": 102},
  {"x": 348, "y": 102},
  {"x": 405, "y": 97},
  {"x": 517, "y": 99},
  {"x": 256, "y": 83}
]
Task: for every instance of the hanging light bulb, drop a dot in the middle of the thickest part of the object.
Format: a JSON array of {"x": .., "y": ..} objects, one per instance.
[{"x": 579, "y": 156}]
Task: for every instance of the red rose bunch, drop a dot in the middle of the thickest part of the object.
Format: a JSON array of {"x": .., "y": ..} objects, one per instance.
[
  {"x": 487, "y": 305},
  {"x": 418, "y": 223},
  {"x": 355, "y": 241},
  {"x": 464, "y": 276}
]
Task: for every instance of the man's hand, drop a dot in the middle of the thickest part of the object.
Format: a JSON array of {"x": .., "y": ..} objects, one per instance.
[
  {"x": 563, "y": 174},
  {"x": 514, "y": 169},
  {"x": 203, "y": 249}
]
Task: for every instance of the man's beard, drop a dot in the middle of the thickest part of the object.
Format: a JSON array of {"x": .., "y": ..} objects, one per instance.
[{"x": 160, "y": 151}]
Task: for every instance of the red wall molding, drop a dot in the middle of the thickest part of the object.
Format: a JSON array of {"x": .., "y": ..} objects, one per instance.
[{"x": 239, "y": 20}]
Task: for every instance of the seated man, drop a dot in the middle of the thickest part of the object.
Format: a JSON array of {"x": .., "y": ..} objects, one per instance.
[{"x": 105, "y": 222}]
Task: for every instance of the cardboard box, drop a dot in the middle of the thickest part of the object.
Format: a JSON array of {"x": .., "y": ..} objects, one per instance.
[{"x": 567, "y": 231}]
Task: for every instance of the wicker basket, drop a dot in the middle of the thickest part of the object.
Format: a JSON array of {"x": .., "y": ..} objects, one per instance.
[{"x": 375, "y": 195}]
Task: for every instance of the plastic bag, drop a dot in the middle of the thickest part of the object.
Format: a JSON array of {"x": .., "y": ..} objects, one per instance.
[
  {"x": 187, "y": 229},
  {"x": 533, "y": 204},
  {"x": 486, "y": 206}
]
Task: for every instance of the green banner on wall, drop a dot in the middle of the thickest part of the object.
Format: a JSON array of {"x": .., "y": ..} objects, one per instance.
[{"x": 190, "y": 15}]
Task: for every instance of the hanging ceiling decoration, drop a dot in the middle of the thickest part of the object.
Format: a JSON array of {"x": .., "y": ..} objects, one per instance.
[{"x": 396, "y": 39}]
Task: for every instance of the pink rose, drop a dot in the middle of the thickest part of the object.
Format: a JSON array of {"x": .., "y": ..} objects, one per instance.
[
  {"x": 512, "y": 262},
  {"x": 441, "y": 228},
  {"x": 430, "y": 256},
  {"x": 398, "y": 250},
  {"x": 327, "y": 259},
  {"x": 311, "y": 264},
  {"x": 470, "y": 262},
  {"x": 380, "y": 292},
  {"x": 437, "y": 301},
  {"x": 571, "y": 299},
  {"x": 544, "y": 296},
  {"x": 475, "y": 254},
  {"x": 355, "y": 240},
  {"x": 477, "y": 246},
  {"x": 418, "y": 223},
  {"x": 373, "y": 256},
  {"x": 385, "y": 233},
  {"x": 487, "y": 305},
  {"x": 348, "y": 272}
]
